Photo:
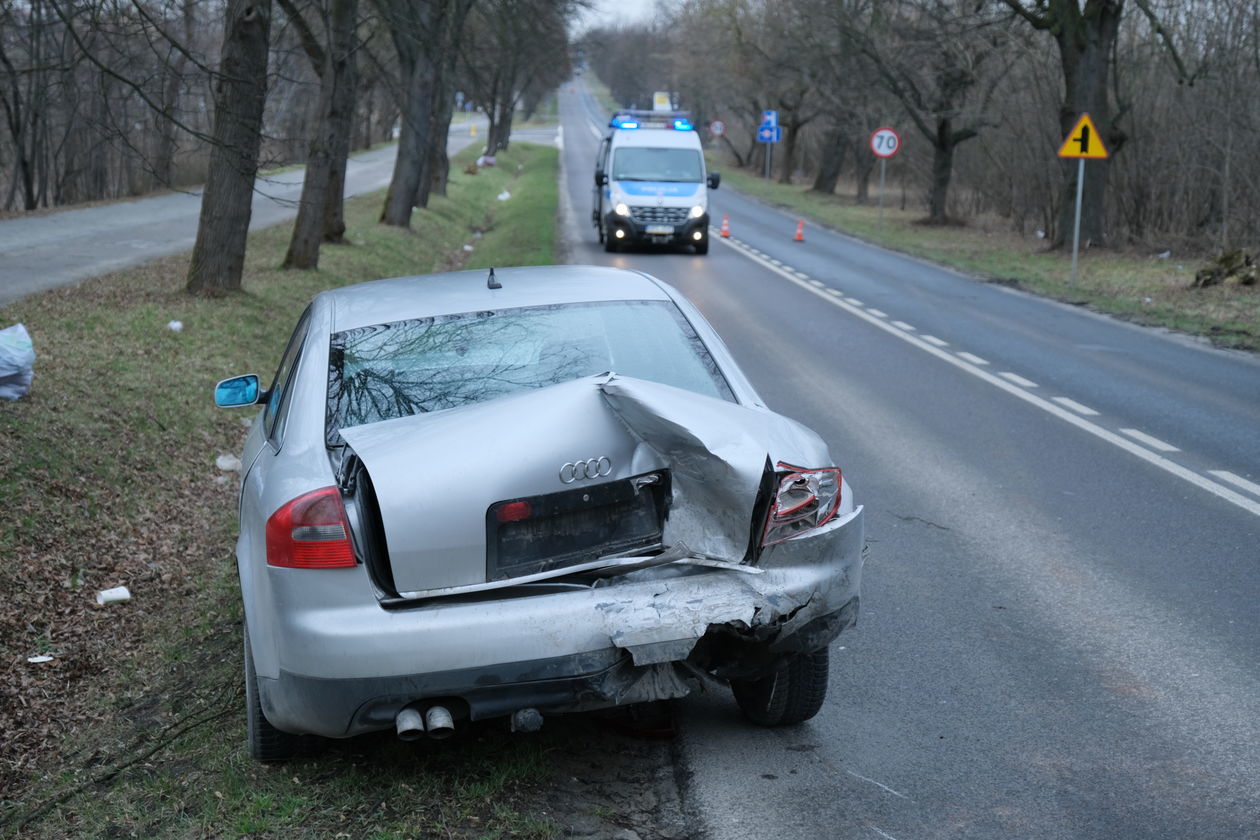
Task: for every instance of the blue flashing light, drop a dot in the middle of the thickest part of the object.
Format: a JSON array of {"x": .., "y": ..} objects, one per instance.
[
  {"x": 629, "y": 124},
  {"x": 683, "y": 125}
]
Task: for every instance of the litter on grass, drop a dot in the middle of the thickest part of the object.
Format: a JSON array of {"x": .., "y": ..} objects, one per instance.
[
  {"x": 228, "y": 463},
  {"x": 108, "y": 596},
  {"x": 175, "y": 326},
  {"x": 17, "y": 362}
]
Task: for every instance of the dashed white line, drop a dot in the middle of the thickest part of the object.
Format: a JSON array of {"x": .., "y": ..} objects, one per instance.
[
  {"x": 1152, "y": 442},
  {"x": 1073, "y": 405},
  {"x": 835, "y": 292},
  {"x": 877, "y": 784},
  {"x": 902, "y": 325},
  {"x": 931, "y": 339},
  {"x": 1237, "y": 481},
  {"x": 776, "y": 262},
  {"x": 817, "y": 283},
  {"x": 854, "y": 301},
  {"x": 877, "y": 313},
  {"x": 1017, "y": 379},
  {"x": 598, "y": 135},
  {"x": 971, "y": 357},
  {"x": 959, "y": 361},
  {"x": 883, "y": 834},
  {"x": 802, "y": 275}
]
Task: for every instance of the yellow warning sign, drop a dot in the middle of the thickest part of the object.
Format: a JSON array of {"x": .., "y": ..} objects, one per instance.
[{"x": 1083, "y": 141}]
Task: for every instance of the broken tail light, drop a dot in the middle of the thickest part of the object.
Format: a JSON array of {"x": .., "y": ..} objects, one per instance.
[
  {"x": 310, "y": 532},
  {"x": 805, "y": 499}
]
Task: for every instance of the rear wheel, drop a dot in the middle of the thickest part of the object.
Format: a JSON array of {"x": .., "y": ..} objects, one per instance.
[
  {"x": 266, "y": 743},
  {"x": 792, "y": 694}
]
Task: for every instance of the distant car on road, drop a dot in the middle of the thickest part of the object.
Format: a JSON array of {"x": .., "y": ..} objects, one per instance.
[{"x": 470, "y": 496}]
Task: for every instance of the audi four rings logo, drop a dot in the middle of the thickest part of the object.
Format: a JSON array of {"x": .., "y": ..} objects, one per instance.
[{"x": 582, "y": 470}]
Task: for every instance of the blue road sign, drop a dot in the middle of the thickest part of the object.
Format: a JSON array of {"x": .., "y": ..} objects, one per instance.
[
  {"x": 770, "y": 118},
  {"x": 769, "y": 134}
]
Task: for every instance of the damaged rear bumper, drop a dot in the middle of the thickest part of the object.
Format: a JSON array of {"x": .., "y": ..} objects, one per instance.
[{"x": 638, "y": 637}]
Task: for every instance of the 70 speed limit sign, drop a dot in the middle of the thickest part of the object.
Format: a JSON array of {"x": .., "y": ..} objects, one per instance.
[{"x": 885, "y": 142}]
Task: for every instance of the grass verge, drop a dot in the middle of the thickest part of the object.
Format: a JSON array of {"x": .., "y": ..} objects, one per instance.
[
  {"x": 136, "y": 726},
  {"x": 1147, "y": 290}
]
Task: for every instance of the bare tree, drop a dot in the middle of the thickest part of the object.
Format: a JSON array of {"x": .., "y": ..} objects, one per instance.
[
  {"x": 321, "y": 217},
  {"x": 425, "y": 34},
  {"x": 240, "y": 90}
]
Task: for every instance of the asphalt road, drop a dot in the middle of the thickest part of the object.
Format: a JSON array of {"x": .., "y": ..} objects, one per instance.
[
  {"x": 1059, "y": 634},
  {"x": 43, "y": 252}
]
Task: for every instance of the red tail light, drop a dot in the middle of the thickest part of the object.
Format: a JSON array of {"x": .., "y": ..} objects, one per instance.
[
  {"x": 310, "y": 532},
  {"x": 805, "y": 499}
]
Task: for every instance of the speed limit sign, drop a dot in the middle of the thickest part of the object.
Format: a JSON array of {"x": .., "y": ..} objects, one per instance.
[{"x": 885, "y": 142}]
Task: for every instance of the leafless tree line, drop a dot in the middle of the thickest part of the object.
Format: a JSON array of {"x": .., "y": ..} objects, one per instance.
[
  {"x": 107, "y": 98},
  {"x": 983, "y": 93}
]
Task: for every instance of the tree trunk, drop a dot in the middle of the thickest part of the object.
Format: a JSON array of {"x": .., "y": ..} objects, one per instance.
[
  {"x": 439, "y": 161},
  {"x": 321, "y": 215},
  {"x": 942, "y": 171},
  {"x": 1086, "y": 41},
  {"x": 865, "y": 166},
  {"x": 240, "y": 91},
  {"x": 832, "y": 163},
  {"x": 409, "y": 164}
]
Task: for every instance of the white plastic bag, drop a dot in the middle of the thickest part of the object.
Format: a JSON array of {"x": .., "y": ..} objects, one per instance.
[{"x": 17, "y": 362}]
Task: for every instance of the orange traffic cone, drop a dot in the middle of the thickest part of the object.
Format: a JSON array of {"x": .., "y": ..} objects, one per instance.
[
  {"x": 726, "y": 226},
  {"x": 800, "y": 231}
]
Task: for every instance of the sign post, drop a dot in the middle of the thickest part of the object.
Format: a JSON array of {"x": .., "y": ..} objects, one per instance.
[
  {"x": 769, "y": 133},
  {"x": 885, "y": 142},
  {"x": 1082, "y": 143}
]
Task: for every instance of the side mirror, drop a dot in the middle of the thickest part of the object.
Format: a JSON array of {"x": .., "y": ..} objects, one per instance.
[
  {"x": 601, "y": 178},
  {"x": 715, "y": 179},
  {"x": 238, "y": 391}
]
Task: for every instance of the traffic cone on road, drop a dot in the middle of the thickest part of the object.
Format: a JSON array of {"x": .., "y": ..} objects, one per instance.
[
  {"x": 726, "y": 226},
  {"x": 800, "y": 231}
]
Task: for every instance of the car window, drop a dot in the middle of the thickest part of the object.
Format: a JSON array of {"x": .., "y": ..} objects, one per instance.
[
  {"x": 631, "y": 163},
  {"x": 429, "y": 364},
  {"x": 277, "y": 399}
]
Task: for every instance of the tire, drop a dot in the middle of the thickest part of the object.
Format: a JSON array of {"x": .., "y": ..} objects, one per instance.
[
  {"x": 792, "y": 694},
  {"x": 266, "y": 743},
  {"x": 600, "y": 228},
  {"x": 702, "y": 247},
  {"x": 610, "y": 243}
]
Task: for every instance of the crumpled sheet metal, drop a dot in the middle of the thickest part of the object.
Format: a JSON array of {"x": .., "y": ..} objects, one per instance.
[{"x": 717, "y": 453}]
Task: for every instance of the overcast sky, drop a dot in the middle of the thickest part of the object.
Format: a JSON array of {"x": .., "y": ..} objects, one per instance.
[{"x": 612, "y": 12}]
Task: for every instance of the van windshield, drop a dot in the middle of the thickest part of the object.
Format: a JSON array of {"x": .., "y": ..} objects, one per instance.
[{"x": 643, "y": 164}]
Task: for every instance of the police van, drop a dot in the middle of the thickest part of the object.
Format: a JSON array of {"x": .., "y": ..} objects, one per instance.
[{"x": 650, "y": 182}]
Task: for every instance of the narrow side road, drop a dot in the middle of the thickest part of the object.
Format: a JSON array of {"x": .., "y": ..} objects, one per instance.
[{"x": 43, "y": 252}]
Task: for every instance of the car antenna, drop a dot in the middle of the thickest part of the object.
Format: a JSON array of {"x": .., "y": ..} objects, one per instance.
[{"x": 491, "y": 283}]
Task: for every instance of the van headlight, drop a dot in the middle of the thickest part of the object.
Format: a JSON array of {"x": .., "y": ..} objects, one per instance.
[
  {"x": 622, "y": 210},
  {"x": 697, "y": 212}
]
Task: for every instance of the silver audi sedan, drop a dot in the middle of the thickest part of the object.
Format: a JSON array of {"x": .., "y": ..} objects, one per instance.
[{"x": 521, "y": 493}]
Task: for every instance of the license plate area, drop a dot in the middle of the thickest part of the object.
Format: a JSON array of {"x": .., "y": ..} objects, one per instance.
[
  {"x": 659, "y": 230},
  {"x": 574, "y": 527}
]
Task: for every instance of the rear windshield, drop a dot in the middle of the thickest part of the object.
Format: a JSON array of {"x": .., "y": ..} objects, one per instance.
[
  {"x": 429, "y": 364},
  {"x": 633, "y": 163}
]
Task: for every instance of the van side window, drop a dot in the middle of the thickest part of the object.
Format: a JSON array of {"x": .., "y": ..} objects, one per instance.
[{"x": 281, "y": 385}]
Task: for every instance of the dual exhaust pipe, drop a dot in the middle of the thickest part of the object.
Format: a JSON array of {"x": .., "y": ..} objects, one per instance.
[{"x": 436, "y": 722}]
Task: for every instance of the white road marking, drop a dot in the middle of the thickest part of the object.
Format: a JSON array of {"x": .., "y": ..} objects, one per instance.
[
  {"x": 1017, "y": 379},
  {"x": 855, "y": 301},
  {"x": 881, "y": 833},
  {"x": 1075, "y": 406},
  {"x": 1237, "y": 481},
  {"x": 931, "y": 339},
  {"x": 877, "y": 313},
  {"x": 835, "y": 292},
  {"x": 802, "y": 275},
  {"x": 598, "y": 134},
  {"x": 1203, "y": 483},
  {"x": 972, "y": 357},
  {"x": 776, "y": 262},
  {"x": 817, "y": 283},
  {"x": 1152, "y": 442},
  {"x": 877, "y": 784},
  {"x": 902, "y": 325}
]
